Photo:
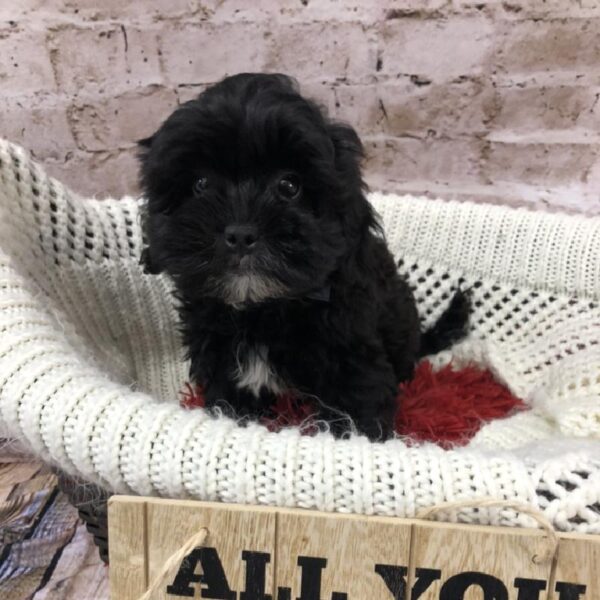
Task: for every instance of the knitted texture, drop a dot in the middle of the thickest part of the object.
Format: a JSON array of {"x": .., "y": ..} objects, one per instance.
[{"x": 91, "y": 364}]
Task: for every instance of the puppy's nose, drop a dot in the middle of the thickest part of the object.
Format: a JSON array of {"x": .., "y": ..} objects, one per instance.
[{"x": 241, "y": 238}]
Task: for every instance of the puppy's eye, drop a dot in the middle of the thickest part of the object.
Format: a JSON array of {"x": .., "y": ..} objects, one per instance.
[
  {"x": 200, "y": 186},
  {"x": 289, "y": 186}
]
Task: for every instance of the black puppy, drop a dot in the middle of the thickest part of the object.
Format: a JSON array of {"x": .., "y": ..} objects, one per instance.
[{"x": 256, "y": 208}]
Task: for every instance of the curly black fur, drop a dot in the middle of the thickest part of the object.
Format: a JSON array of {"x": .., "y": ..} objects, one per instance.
[{"x": 311, "y": 301}]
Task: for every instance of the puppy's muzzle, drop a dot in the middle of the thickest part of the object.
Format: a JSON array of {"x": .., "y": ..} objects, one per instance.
[{"x": 241, "y": 239}]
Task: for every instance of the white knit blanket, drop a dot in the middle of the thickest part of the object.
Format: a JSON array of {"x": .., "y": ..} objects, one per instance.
[{"x": 91, "y": 365}]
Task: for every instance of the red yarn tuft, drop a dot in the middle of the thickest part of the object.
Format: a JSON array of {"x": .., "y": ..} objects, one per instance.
[
  {"x": 447, "y": 407},
  {"x": 291, "y": 412},
  {"x": 192, "y": 397}
]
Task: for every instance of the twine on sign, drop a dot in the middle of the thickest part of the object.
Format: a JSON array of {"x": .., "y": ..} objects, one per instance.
[
  {"x": 534, "y": 513},
  {"x": 196, "y": 541}
]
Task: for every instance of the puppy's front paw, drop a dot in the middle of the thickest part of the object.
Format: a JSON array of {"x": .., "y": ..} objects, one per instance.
[
  {"x": 377, "y": 430},
  {"x": 149, "y": 265}
]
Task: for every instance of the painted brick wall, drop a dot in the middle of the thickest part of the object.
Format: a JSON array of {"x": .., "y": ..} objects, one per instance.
[{"x": 491, "y": 100}]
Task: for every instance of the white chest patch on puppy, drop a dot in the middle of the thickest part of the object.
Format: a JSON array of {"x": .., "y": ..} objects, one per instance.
[{"x": 254, "y": 371}]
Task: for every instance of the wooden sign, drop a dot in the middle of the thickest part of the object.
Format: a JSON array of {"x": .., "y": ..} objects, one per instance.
[{"x": 261, "y": 553}]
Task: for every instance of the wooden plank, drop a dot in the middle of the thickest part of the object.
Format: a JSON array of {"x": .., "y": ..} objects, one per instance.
[
  {"x": 128, "y": 557},
  {"x": 241, "y": 539},
  {"x": 28, "y": 561},
  {"x": 305, "y": 555},
  {"x": 577, "y": 575},
  {"x": 91, "y": 583},
  {"x": 19, "y": 515},
  {"x": 79, "y": 572},
  {"x": 336, "y": 556},
  {"x": 44, "y": 549},
  {"x": 29, "y": 488},
  {"x": 41, "y": 481},
  {"x": 14, "y": 473},
  {"x": 453, "y": 561}
]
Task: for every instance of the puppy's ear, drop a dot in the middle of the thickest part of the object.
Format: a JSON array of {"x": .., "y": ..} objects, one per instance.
[
  {"x": 357, "y": 215},
  {"x": 345, "y": 140},
  {"x": 149, "y": 265},
  {"x": 348, "y": 155},
  {"x": 145, "y": 143}
]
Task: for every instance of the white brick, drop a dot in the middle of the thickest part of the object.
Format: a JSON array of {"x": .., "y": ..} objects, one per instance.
[
  {"x": 539, "y": 109},
  {"x": 205, "y": 53},
  {"x": 543, "y": 164},
  {"x": 407, "y": 159},
  {"x": 101, "y": 123},
  {"x": 101, "y": 174},
  {"x": 404, "y": 108},
  {"x": 297, "y": 10},
  {"x": 553, "y": 45},
  {"x": 436, "y": 49},
  {"x": 25, "y": 65},
  {"x": 104, "y": 58},
  {"x": 39, "y": 124},
  {"x": 323, "y": 51}
]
